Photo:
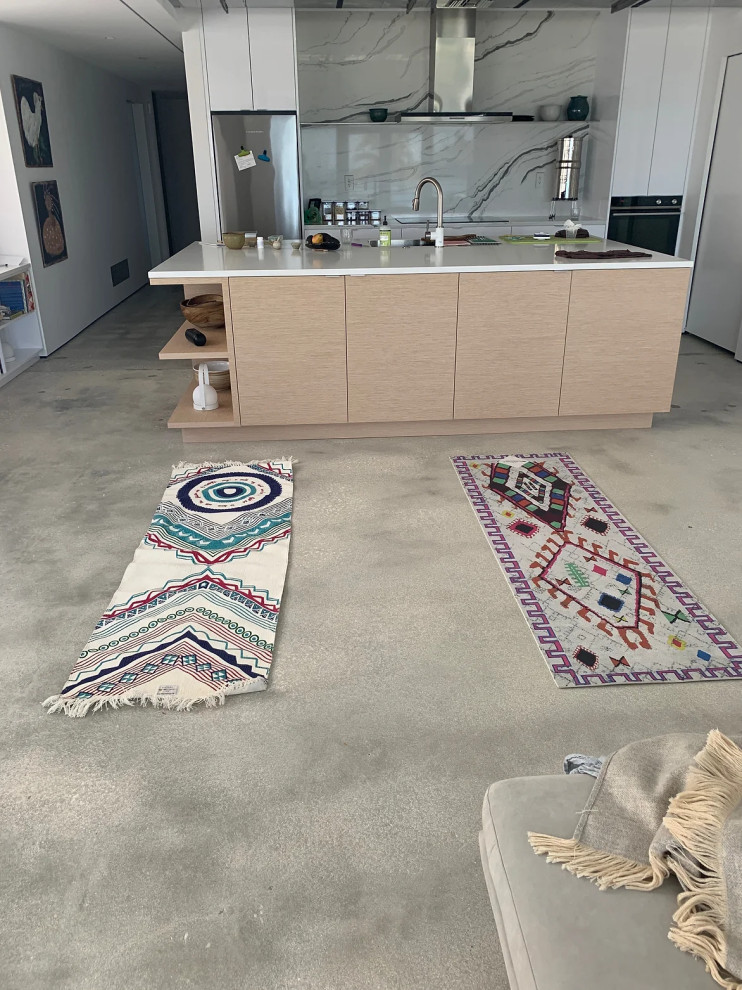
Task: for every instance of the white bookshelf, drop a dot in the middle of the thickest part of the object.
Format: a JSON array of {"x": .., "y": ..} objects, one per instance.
[{"x": 21, "y": 340}]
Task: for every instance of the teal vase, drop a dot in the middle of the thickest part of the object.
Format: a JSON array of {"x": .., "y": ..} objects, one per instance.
[{"x": 578, "y": 108}]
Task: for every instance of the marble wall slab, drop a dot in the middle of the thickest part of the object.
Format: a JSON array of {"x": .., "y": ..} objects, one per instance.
[
  {"x": 485, "y": 169},
  {"x": 350, "y": 61},
  {"x": 523, "y": 59}
]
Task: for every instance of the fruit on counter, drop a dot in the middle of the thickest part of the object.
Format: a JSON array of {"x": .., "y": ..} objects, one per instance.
[{"x": 323, "y": 242}]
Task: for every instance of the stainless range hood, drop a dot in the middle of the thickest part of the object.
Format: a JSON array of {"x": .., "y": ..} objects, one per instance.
[{"x": 451, "y": 90}]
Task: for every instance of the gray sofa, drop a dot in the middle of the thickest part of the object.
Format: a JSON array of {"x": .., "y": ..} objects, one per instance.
[{"x": 559, "y": 932}]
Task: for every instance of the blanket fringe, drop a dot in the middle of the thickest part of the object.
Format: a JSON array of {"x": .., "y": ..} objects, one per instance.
[
  {"x": 79, "y": 707},
  {"x": 696, "y": 819},
  {"x": 604, "y": 869}
]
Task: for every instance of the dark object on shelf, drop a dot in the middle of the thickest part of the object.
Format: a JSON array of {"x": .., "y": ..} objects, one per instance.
[
  {"x": 204, "y": 312},
  {"x": 315, "y": 203},
  {"x": 591, "y": 255},
  {"x": 195, "y": 336},
  {"x": 581, "y": 232},
  {"x": 378, "y": 114},
  {"x": 323, "y": 242},
  {"x": 522, "y": 117},
  {"x": 578, "y": 108}
]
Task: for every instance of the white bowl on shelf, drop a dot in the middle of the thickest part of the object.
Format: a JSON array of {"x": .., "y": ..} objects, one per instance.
[{"x": 550, "y": 111}]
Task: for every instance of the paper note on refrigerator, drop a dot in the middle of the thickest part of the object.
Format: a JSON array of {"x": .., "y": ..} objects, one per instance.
[{"x": 245, "y": 160}]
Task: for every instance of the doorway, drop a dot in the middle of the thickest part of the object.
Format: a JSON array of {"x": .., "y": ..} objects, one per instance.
[{"x": 175, "y": 147}]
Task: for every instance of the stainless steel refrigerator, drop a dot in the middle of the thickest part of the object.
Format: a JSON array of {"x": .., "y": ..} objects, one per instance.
[{"x": 264, "y": 198}]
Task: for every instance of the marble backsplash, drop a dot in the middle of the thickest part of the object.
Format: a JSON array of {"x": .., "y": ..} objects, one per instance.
[
  {"x": 349, "y": 61},
  {"x": 485, "y": 169}
]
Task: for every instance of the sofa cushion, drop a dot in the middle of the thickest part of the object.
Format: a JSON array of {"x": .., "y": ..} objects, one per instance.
[{"x": 559, "y": 932}]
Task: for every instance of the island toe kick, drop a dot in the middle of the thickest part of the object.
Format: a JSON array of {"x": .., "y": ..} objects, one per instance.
[{"x": 443, "y": 352}]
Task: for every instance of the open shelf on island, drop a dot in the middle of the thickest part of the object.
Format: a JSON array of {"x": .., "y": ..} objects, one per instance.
[
  {"x": 185, "y": 417},
  {"x": 180, "y": 349}
]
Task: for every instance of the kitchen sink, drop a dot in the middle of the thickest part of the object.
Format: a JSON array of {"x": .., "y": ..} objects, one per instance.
[{"x": 400, "y": 242}]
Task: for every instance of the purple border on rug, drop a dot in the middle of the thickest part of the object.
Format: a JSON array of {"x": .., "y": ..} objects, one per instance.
[{"x": 520, "y": 585}]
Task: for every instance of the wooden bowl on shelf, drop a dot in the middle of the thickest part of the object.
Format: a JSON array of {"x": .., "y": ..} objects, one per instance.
[
  {"x": 218, "y": 373},
  {"x": 204, "y": 312}
]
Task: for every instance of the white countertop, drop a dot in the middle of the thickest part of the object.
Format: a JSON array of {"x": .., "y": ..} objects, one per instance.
[{"x": 215, "y": 261}]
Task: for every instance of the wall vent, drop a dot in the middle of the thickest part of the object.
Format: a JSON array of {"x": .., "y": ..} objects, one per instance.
[{"x": 120, "y": 272}]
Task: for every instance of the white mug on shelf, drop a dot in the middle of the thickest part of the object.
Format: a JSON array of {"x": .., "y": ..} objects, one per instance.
[{"x": 204, "y": 395}]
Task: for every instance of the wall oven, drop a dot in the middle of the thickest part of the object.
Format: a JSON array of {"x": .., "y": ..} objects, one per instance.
[{"x": 649, "y": 222}]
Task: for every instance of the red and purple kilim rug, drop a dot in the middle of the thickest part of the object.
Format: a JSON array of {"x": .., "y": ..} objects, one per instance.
[{"x": 604, "y": 608}]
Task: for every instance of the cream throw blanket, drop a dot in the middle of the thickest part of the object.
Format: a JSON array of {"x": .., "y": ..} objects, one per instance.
[{"x": 670, "y": 805}]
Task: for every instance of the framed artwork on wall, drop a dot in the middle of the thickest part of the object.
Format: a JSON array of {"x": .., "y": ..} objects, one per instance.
[
  {"x": 31, "y": 111},
  {"x": 49, "y": 221}
]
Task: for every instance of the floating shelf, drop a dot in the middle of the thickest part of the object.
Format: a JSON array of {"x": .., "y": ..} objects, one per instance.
[
  {"x": 185, "y": 417},
  {"x": 180, "y": 349}
]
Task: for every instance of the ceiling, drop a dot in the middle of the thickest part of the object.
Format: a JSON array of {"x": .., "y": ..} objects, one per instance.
[{"x": 136, "y": 39}]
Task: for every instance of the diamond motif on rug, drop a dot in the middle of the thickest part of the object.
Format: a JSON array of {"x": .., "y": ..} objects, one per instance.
[
  {"x": 603, "y": 606},
  {"x": 195, "y": 616}
]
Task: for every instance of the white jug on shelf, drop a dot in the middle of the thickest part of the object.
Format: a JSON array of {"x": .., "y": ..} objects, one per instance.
[{"x": 204, "y": 395}]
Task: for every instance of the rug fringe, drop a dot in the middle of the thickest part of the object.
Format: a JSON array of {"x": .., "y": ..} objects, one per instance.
[
  {"x": 604, "y": 869},
  {"x": 696, "y": 819},
  {"x": 79, "y": 707}
]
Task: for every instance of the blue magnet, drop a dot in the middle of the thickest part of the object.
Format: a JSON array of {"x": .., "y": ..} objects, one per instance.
[{"x": 265, "y": 157}]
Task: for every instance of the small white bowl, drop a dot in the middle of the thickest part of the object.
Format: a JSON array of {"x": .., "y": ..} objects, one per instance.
[
  {"x": 550, "y": 111},
  {"x": 296, "y": 245}
]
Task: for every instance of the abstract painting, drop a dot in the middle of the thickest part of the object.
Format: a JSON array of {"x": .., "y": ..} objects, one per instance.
[
  {"x": 49, "y": 221},
  {"x": 31, "y": 111}
]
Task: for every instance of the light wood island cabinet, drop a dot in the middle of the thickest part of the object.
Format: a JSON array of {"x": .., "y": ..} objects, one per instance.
[
  {"x": 289, "y": 347},
  {"x": 342, "y": 347},
  {"x": 510, "y": 343},
  {"x": 623, "y": 336},
  {"x": 401, "y": 332}
]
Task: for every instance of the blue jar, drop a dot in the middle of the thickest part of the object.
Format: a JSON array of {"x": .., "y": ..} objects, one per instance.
[{"x": 578, "y": 108}]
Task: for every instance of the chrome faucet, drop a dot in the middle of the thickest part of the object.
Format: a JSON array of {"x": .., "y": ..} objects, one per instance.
[{"x": 416, "y": 206}]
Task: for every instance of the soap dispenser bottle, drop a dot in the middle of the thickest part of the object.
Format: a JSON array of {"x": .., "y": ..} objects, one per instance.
[{"x": 385, "y": 235}]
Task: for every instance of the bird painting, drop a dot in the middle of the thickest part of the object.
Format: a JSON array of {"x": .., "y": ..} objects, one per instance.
[{"x": 31, "y": 111}]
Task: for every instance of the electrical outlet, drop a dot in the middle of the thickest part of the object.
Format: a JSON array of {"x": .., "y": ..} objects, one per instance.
[
  {"x": 349, "y": 183},
  {"x": 539, "y": 179}
]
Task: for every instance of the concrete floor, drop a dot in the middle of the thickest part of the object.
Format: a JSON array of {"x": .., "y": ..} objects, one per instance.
[{"x": 322, "y": 835}]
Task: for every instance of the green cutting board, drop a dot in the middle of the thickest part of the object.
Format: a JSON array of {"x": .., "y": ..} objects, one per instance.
[{"x": 565, "y": 241}]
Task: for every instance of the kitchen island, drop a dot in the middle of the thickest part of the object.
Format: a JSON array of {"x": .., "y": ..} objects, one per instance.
[{"x": 366, "y": 342}]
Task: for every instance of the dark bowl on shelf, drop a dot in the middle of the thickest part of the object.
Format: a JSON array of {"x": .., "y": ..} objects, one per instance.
[{"x": 378, "y": 114}]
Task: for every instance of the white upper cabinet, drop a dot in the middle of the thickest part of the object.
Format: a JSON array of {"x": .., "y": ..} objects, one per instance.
[
  {"x": 640, "y": 97},
  {"x": 680, "y": 82},
  {"x": 658, "y": 99},
  {"x": 227, "y": 50},
  {"x": 272, "y": 58}
]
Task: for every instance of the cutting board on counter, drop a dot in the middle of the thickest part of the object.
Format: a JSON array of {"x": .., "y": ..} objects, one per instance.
[{"x": 528, "y": 239}]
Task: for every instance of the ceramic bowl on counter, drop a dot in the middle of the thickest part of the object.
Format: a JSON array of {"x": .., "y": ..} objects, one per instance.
[
  {"x": 233, "y": 240},
  {"x": 378, "y": 114}
]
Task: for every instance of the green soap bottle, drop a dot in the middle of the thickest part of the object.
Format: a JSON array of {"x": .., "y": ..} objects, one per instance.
[{"x": 385, "y": 235}]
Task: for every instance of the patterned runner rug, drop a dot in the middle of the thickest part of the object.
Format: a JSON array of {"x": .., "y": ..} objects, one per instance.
[
  {"x": 604, "y": 608},
  {"x": 194, "y": 618}
]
